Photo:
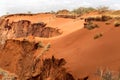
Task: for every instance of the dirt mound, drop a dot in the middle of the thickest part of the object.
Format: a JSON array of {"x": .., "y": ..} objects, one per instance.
[{"x": 24, "y": 28}]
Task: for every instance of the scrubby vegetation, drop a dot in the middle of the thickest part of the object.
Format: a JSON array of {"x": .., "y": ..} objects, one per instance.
[
  {"x": 107, "y": 23},
  {"x": 40, "y": 44},
  {"x": 106, "y": 74},
  {"x": 98, "y": 18},
  {"x": 102, "y": 9},
  {"x": 98, "y": 36},
  {"x": 83, "y": 10},
  {"x": 47, "y": 47},
  {"x": 117, "y": 23},
  {"x": 90, "y": 25},
  {"x": 66, "y": 16}
]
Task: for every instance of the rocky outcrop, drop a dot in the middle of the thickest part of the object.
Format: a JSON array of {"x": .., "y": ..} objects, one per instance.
[{"x": 24, "y": 28}]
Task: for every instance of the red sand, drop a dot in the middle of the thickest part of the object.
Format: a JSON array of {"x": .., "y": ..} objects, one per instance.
[
  {"x": 66, "y": 25},
  {"x": 84, "y": 54}
]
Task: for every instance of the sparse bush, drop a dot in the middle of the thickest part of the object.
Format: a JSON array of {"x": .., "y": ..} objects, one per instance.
[
  {"x": 98, "y": 18},
  {"x": 117, "y": 18},
  {"x": 117, "y": 24},
  {"x": 89, "y": 19},
  {"x": 83, "y": 10},
  {"x": 107, "y": 23},
  {"x": 52, "y": 12},
  {"x": 102, "y": 8},
  {"x": 105, "y": 18},
  {"x": 67, "y": 16},
  {"x": 29, "y": 12},
  {"x": 106, "y": 74},
  {"x": 98, "y": 36},
  {"x": 7, "y": 13},
  {"x": 90, "y": 26},
  {"x": 47, "y": 47},
  {"x": 63, "y": 12},
  {"x": 40, "y": 44}
]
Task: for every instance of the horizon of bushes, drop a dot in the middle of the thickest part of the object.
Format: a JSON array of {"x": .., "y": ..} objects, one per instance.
[{"x": 82, "y": 10}]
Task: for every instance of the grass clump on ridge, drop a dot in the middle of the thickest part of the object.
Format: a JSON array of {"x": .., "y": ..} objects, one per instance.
[
  {"x": 98, "y": 36},
  {"x": 117, "y": 23},
  {"x": 107, "y": 23}
]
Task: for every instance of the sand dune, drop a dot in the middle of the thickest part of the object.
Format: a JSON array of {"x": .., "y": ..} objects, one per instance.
[{"x": 84, "y": 54}]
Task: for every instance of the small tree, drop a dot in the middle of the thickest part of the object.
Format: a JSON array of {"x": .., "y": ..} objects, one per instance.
[
  {"x": 53, "y": 12},
  {"x": 102, "y": 8},
  {"x": 83, "y": 10},
  {"x": 29, "y": 12}
]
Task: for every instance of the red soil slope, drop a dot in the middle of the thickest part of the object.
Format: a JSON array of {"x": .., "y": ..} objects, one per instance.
[{"x": 85, "y": 54}]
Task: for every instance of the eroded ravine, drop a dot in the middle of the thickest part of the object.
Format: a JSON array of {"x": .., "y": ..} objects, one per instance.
[{"x": 25, "y": 28}]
